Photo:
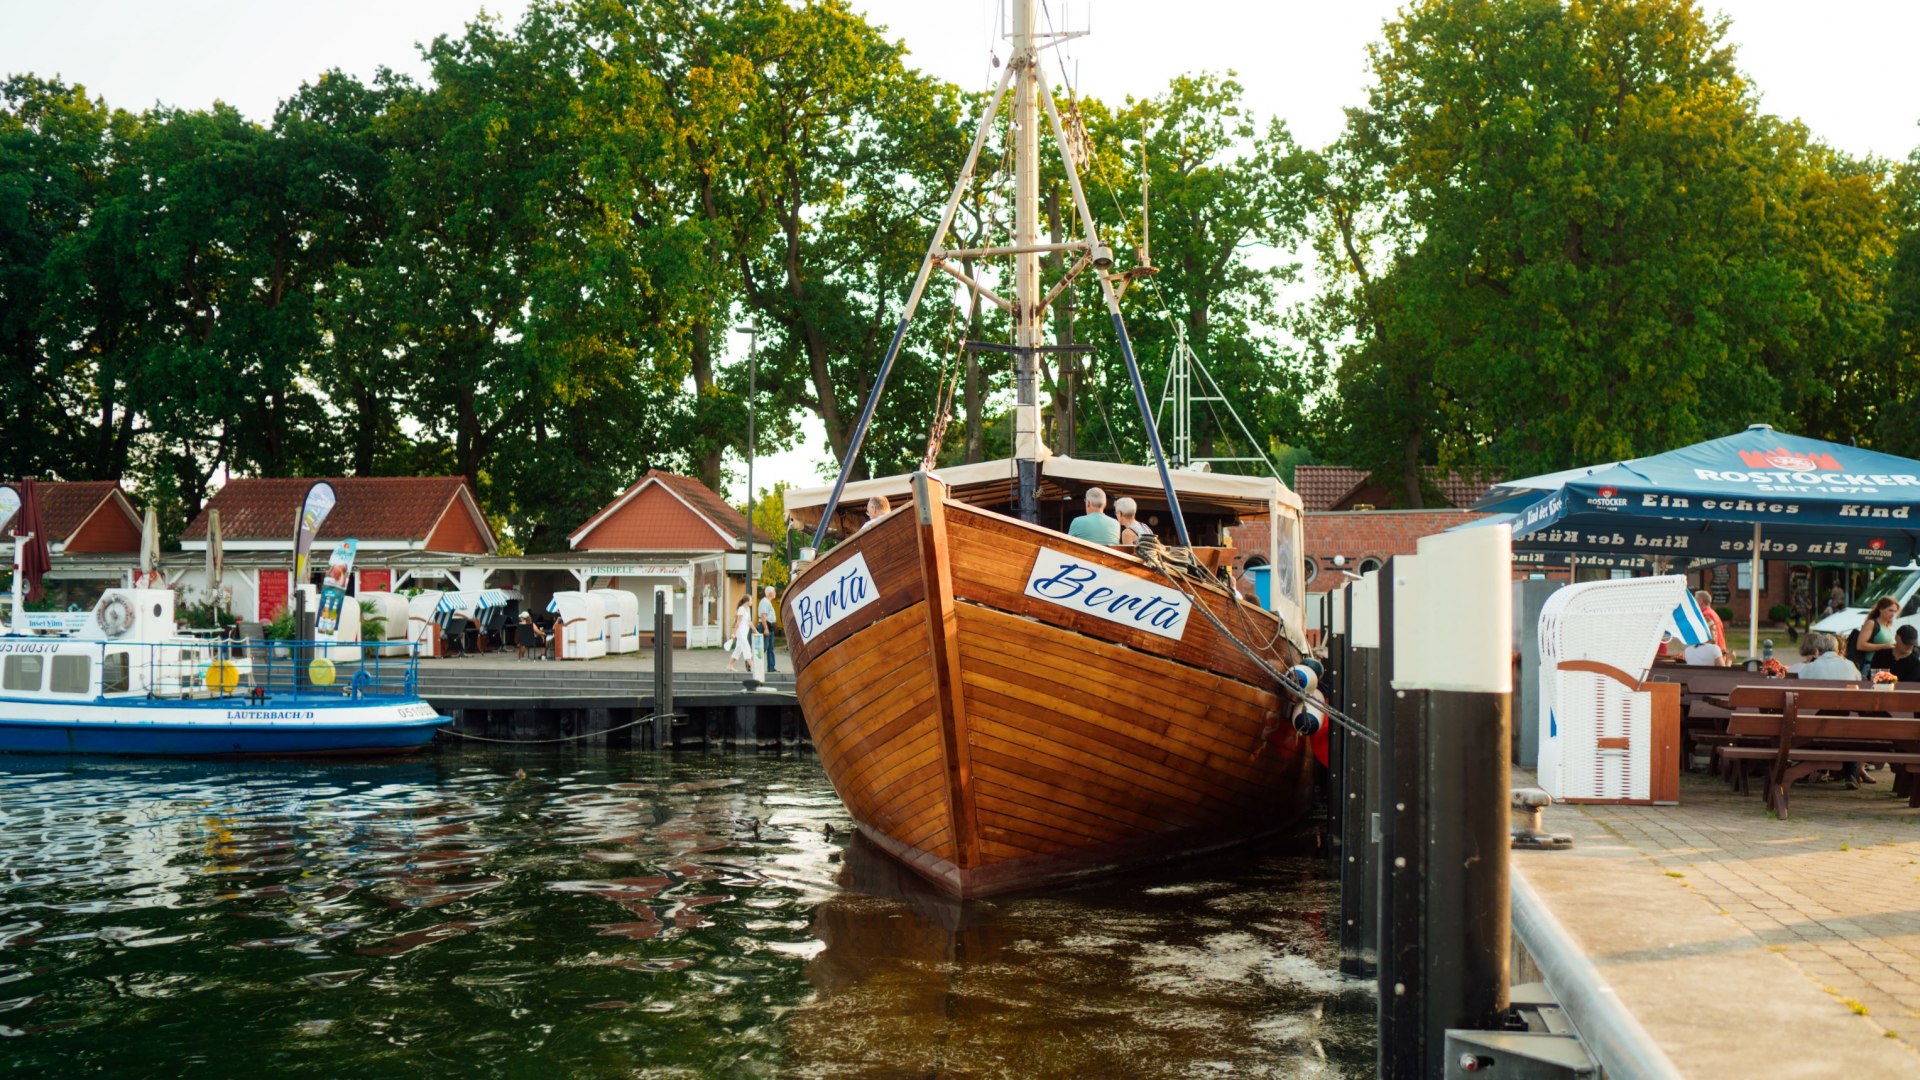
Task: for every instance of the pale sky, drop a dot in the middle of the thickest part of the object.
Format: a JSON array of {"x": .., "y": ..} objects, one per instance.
[{"x": 1845, "y": 67}]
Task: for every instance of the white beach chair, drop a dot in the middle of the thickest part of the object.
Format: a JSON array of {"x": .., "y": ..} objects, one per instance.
[{"x": 1597, "y": 642}]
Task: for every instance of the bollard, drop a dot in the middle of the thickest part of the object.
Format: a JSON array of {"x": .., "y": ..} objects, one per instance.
[
  {"x": 1358, "y": 861},
  {"x": 1444, "y": 921},
  {"x": 662, "y": 665},
  {"x": 1332, "y": 678}
]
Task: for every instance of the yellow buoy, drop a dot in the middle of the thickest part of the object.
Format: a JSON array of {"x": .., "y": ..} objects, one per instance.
[
  {"x": 223, "y": 676},
  {"x": 320, "y": 672}
]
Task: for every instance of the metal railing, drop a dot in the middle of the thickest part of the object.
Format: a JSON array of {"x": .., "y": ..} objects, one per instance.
[{"x": 222, "y": 668}]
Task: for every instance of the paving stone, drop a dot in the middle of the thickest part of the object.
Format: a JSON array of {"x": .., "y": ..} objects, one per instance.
[{"x": 1833, "y": 891}]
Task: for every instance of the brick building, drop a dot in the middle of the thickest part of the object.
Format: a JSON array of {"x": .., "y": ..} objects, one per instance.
[{"x": 1344, "y": 531}]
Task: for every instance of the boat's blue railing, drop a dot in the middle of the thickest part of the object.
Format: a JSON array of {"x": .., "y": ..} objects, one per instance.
[{"x": 185, "y": 668}]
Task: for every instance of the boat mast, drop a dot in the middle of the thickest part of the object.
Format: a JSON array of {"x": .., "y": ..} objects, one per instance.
[
  {"x": 1030, "y": 301},
  {"x": 1026, "y": 272}
]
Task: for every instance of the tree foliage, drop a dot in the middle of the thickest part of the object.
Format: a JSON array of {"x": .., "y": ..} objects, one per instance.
[
  {"x": 1554, "y": 233},
  {"x": 1565, "y": 233}
]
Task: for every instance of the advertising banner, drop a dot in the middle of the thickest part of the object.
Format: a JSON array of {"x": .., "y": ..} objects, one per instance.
[
  {"x": 313, "y": 510},
  {"x": 333, "y": 590}
]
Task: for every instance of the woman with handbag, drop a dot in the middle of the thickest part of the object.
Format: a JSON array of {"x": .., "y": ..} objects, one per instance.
[{"x": 741, "y": 648}]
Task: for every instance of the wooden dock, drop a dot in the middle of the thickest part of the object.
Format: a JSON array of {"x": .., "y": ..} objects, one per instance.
[{"x": 607, "y": 702}]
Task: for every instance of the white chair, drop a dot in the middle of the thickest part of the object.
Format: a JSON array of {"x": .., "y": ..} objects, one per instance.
[{"x": 1597, "y": 642}]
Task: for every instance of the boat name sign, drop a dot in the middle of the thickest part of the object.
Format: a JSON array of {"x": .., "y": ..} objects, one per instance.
[
  {"x": 846, "y": 590},
  {"x": 1073, "y": 583}
]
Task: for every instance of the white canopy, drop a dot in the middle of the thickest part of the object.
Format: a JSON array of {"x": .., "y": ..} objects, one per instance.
[{"x": 989, "y": 482}]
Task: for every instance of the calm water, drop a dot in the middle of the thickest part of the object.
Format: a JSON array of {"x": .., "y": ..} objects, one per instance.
[{"x": 479, "y": 913}]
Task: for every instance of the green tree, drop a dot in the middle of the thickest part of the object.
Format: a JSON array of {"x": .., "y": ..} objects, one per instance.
[
  {"x": 1595, "y": 245},
  {"x": 769, "y": 517},
  {"x": 1896, "y": 360},
  {"x": 1228, "y": 198},
  {"x": 534, "y": 267},
  {"x": 62, "y": 321}
]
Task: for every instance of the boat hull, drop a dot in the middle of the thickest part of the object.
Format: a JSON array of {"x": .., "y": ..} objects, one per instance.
[
  {"x": 215, "y": 728},
  {"x": 994, "y": 740}
]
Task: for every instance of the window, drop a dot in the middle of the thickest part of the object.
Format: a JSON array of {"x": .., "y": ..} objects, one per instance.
[
  {"x": 72, "y": 674},
  {"x": 1744, "y": 574},
  {"x": 1369, "y": 564},
  {"x": 24, "y": 672},
  {"x": 115, "y": 677}
]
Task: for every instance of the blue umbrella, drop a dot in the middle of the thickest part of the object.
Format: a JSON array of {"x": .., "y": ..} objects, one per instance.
[{"x": 1761, "y": 493}]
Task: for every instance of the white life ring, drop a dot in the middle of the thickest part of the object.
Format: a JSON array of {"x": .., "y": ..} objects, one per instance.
[{"x": 115, "y": 615}]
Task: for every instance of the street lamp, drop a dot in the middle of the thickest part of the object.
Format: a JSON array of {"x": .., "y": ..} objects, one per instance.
[{"x": 752, "y": 330}]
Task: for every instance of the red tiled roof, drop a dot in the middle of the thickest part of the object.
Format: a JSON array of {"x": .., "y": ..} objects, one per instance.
[
  {"x": 64, "y": 506},
  {"x": 1323, "y": 487},
  {"x": 704, "y": 500},
  {"x": 368, "y": 507},
  {"x": 1460, "y": 491},
  {"x": 1327, "y": 487}
]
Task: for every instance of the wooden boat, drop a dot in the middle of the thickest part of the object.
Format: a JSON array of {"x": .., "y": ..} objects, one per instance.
[
  {"x": 1002, "y": 706},
  {"x": 994, "y": 737}
]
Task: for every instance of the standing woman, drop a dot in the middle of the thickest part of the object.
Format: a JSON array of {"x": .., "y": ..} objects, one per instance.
[
  {"x": 742, "y": 634},
  {"x": 1875, "y": 637}
]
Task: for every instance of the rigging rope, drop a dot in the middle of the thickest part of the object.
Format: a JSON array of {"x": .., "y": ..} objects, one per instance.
[
  {"x": 1160, "y": 558},
  {"x": 563, "y": 738}
]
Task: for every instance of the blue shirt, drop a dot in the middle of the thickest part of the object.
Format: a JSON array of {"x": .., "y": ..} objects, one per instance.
[{"x": 1098, "y": 528}]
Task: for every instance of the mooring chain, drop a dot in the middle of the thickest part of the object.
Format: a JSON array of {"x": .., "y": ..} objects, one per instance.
[{"x": 1155, "y": 555}]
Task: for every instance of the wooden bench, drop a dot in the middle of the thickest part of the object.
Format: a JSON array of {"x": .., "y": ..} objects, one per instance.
[
  {"x": 1712, "y": 735},
  {"x": 1807, "y": 729},
  {"x": 1701, "y": 689}
]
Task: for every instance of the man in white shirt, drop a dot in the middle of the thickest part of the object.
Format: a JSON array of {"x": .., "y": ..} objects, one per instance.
[{"x": 767, "y": 617}]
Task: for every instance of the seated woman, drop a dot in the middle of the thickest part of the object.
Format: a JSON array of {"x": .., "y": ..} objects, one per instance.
[{"x": 527, "y": 635}]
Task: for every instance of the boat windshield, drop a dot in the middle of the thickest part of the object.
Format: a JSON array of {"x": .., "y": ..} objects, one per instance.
[{"x": 1891, "y": 582}]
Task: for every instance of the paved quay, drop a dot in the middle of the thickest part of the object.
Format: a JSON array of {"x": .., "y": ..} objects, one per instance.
[{"x": 1746, "y": 946}]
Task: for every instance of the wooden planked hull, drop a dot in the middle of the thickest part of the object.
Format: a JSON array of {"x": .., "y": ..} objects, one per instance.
[{"x": 994, "y": 741}]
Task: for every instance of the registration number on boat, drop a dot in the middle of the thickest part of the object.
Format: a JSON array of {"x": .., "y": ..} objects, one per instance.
[
  {"x": 1078, "y": 585},
  {"x": 845, "y": 590}
]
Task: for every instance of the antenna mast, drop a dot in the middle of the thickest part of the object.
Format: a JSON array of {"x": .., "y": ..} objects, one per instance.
[{"x": 1026, "y": 266}]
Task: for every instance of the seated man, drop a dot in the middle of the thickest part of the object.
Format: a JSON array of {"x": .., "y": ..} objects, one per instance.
[
  {"x": 1095, "y": 525},
  {"x": 1131, "y": 527},
  {"x": 1906, "y": 662},
  {"x": 1830, "y": 664}
]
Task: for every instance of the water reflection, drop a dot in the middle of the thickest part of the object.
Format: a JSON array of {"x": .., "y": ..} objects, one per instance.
[
  {"x": 1226, "y": 972},
  {"x": 483, "y": 913}
]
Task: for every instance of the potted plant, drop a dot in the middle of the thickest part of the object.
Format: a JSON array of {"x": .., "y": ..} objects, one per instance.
[{"x": 280, "y": 628}]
